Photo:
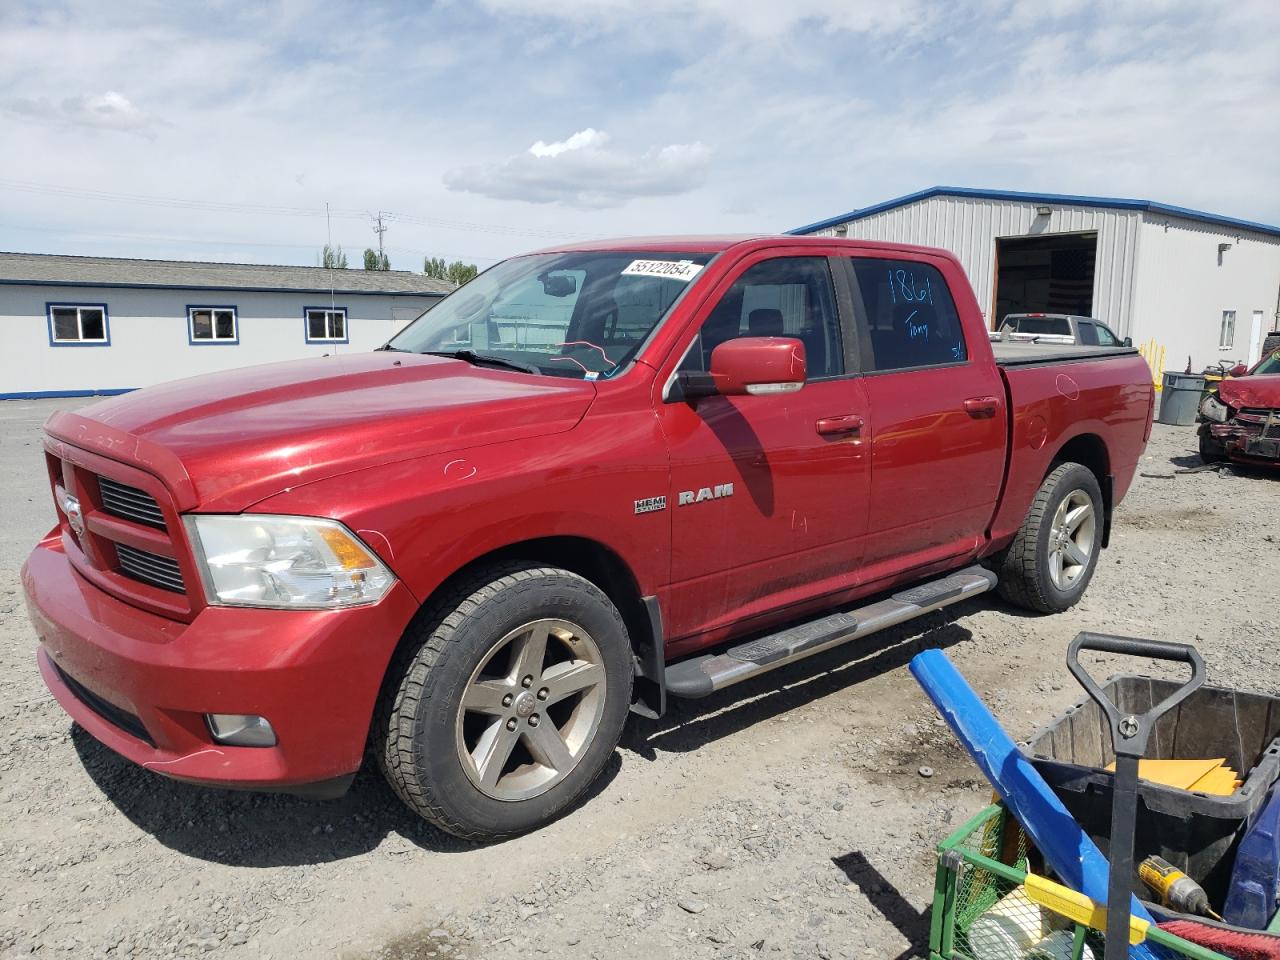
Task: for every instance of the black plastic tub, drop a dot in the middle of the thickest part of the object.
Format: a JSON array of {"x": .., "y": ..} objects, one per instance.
[{"x": 1196, "y": 832}]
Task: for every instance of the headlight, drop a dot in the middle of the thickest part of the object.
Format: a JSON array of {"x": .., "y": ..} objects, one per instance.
[
  {"x": 1211, "y": 408},
  {"x": 287, "y": 562}
]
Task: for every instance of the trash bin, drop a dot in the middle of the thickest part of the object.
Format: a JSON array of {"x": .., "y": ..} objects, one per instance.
[{"x": 1180, "y": 398}]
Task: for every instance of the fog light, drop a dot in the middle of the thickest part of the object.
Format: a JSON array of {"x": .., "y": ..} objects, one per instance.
[{"x": 241, "y": 729}]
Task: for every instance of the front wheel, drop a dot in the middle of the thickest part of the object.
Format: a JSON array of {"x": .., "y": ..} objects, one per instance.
[
  {"x": 1211, "y": 450},
  {"x": 506, "y": 702},
  {"x": 1055, "y": 552}
]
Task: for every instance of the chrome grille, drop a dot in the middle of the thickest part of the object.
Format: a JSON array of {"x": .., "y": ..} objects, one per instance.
[
  {"x": 150, "y": 568},
  {"x": 130, "y": 503}
]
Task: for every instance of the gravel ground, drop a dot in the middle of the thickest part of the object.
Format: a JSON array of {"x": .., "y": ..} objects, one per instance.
[{"x": 789, "y": 817}]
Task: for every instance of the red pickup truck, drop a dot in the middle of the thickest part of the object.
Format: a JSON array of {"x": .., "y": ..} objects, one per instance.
[{"x": 589, "y": 479}]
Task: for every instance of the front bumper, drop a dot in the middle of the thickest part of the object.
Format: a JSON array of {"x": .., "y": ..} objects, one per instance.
[
  {"x": 1249, "y": 440},
  {"x": 141, "y": 684}
]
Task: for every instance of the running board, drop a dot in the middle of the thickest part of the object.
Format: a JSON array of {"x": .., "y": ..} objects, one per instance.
[{"x": 701, "y": 676}]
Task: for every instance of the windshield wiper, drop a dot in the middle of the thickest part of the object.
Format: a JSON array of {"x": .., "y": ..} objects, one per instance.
[
  {"x": 387, "y": 346},
  {"x": 484, "y": 359}
]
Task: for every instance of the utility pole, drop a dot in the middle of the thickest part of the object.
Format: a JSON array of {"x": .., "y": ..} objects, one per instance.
[{"x": 379, "y": 229}]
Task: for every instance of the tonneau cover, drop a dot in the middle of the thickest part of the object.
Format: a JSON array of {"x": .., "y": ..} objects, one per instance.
[{"x": 1017, "y": 353}]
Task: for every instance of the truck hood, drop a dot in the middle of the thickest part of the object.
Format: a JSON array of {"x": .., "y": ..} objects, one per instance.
[
  {"x": 224, "y": 441},
  {"x": 1256, "y": 391}
]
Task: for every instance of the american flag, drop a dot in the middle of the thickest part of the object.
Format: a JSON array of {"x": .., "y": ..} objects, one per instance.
[{"x": 1071, "y": 282}]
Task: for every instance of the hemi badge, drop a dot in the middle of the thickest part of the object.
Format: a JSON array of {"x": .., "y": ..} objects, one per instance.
[{"x": 650, "y": 504}]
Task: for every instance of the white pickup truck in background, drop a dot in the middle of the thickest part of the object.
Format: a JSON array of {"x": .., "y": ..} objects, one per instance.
[{"x": 1058, "y": 328}]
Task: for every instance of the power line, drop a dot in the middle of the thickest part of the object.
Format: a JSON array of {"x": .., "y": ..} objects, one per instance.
[
  {"x": 102, "y": 236},
  {"x": 214, "y": 206}
]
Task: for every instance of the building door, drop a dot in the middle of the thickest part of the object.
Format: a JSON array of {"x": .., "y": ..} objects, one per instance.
[
  {"x": 1255, "y": 339},
  {"x": 1046, "y": 274}
]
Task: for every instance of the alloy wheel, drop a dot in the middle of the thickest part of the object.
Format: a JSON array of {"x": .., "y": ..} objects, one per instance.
[
  {"x": 531, "y": 709},
  {"x": 1071, "y": 539}
]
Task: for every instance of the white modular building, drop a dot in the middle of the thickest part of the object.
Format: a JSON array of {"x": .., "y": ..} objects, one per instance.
[
  {"x": 1179, "y": 283},
  {"x": 83, "y": 326}
]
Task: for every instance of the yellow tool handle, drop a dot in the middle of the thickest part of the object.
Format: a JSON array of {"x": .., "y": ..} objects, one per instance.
[{"x": 1076, "y": 906}]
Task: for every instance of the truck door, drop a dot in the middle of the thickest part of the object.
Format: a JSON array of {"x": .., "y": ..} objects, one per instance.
[
  {"x": 937, "y": 415},
  {"x": 768, "y": 493}
]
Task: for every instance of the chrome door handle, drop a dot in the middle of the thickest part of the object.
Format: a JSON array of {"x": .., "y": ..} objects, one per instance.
[
  {"x": 839, "y": 426},
  {"x": 981, "y": 408}
]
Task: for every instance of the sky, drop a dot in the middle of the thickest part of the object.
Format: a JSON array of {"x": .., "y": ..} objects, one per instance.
[{"x": 487, "y": 128}]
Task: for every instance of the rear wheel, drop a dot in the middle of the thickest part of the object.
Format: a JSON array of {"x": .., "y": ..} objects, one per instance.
[
  {"x": 1053, "y": 556},
  {"x": 507, "y": 701}
]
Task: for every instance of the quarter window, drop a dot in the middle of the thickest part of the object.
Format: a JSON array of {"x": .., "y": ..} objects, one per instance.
[
  {"x": 909, "y": 315},
  {"x": 1105, "y": 337},
  {"x": 326, "y": 325},
  {"x": 213, "y": 325},
  {"x": 78, "y": 324},
  {"x": 786, "y": 297}
]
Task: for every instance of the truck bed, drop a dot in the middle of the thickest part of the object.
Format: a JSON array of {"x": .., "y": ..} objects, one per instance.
[{"x": 1014, "y": 353}]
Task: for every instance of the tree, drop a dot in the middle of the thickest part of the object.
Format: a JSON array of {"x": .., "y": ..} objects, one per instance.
[
  {"x": 456, "y": 273},
  {"x": 373, "y": 260},
  {"x": 460, "y": 272},
  {"x": 333, "y": 258}
]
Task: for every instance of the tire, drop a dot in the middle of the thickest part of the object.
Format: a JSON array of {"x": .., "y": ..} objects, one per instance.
[
  {"x": 481, "y": 639},
  {"x": 1027, "y": 574},
  {"x": 1211, "y": 451}
]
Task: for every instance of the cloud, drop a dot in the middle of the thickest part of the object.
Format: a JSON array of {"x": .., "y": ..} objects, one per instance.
[
  {"x": 755, "y": 18},
  {"x": 107, "y": 111},
  {"x": 583, "y": 171},
  {"x": 583, "y": 138}
]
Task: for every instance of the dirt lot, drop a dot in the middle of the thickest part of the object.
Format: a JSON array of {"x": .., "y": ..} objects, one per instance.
[{"x": 786, "y": 818}]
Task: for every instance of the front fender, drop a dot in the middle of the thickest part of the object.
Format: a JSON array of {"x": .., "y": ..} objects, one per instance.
[{"x": 427, "y": 518}]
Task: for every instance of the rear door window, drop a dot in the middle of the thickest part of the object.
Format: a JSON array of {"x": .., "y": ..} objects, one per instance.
[
  {"x": 1088, "y": 333},
  {"x": 909, "y": 315}
]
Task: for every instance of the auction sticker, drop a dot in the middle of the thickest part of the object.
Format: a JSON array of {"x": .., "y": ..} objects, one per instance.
[{"x": 684, "y": 270}]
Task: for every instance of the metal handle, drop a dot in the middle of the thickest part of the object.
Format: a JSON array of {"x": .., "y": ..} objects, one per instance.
[
  {"x": 981, "y": 408},
  {"x": 1130, "y": 732},
  {"x": 834, "y": 426}
]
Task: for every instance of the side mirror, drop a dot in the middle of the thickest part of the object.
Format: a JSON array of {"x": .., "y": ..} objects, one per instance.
[
  {"x": 1239, "y": 370},
  {"x": 1127, "y": 342},
  {"x": 758, "y": 366}
]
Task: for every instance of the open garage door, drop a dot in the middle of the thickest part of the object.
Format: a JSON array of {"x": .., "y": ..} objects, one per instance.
[{"x": 1047, "y": 274}]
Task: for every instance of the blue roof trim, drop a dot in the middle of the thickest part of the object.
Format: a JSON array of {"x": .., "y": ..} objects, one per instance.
[
  {"x": 175, "y": 286},
  {"x": 60, "y": 394},
  {"x": 1066, "y": 199}
]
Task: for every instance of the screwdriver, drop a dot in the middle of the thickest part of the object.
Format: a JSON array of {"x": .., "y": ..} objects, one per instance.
[{"x": 1174, "y": 888}]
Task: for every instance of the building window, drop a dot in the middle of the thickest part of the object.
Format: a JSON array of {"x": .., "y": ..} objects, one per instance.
[
  {"x": 1227, "y": 332},
  {"x": 78, "y": 325},
  {"x": 326, "y": 325},
  {"x": 212, "y": 325}
]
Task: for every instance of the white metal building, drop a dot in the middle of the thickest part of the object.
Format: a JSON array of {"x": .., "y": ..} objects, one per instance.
[
  {"x": 80, "y": 326},
  {"x": 1179, "y": 282}
]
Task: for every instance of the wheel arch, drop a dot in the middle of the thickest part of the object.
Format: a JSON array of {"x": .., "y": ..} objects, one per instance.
[
  {"x": 1091, "y": 452},
  {"x": 589, "y": 559}
]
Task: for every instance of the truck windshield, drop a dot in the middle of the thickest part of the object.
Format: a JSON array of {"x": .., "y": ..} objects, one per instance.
[
  {"x": 578, "y": 314},
  {"x": 1269, "y": 365}
]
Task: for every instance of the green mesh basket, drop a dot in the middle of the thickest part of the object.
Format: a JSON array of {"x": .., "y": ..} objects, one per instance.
[{"x": 981, "y": 911}]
